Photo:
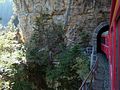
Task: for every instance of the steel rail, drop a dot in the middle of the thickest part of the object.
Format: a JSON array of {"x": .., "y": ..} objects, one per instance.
[{"x": 91, "y": 73}]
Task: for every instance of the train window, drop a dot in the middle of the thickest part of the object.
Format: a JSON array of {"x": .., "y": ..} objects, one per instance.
[{"x": 103, "y": 40}]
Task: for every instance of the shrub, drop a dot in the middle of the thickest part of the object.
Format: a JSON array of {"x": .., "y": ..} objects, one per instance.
[
  {"x": 50, "y": 64},
  {"x": 72, "y": 69},
  {"x": 47, "y": 47}
]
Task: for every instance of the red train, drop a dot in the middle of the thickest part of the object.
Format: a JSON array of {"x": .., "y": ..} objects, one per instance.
[
  {"x": 110, "y": 45},
  {"x": 104, "y": 43}
]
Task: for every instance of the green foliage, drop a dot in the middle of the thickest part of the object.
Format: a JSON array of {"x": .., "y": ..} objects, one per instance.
[
  {"x": 19, "y": 79},
  {"x": 12, "y": 71},
  {"x": 46, "y": 32},
  {"x": 47, "y": 46},
  {"x": 50, "y": 65},
  {"x": 85, "y": 38},
  {"x": 22, "y": 85},
  {"x": 72, "y": 69},
  {"x": 47, "y": 37}
]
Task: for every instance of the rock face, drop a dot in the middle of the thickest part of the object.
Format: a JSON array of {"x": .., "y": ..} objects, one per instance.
[{"x": 85, "y": 14}]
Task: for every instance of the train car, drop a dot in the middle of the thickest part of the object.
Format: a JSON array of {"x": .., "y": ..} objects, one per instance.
[
  {"x": 104, "y": 43},
  {"x": 114, "y": 45}
]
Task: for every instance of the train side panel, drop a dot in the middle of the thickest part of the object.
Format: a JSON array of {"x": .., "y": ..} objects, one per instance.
[
  {"x": 114, "y": 45},
  {"x": 104, "y": 45}
]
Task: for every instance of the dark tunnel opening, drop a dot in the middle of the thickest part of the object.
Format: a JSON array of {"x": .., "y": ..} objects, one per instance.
[{"x": 105, "y": 28}]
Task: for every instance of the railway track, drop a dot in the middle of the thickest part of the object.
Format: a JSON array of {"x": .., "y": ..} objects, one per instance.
[
  {"x": 98, "y": 78},
  {"x": 101, "y": 77}
]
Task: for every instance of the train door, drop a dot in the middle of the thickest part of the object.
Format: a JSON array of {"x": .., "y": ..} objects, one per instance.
[
  {"x": 118, "y": 54},
  {"x": 112, "y": 58}
]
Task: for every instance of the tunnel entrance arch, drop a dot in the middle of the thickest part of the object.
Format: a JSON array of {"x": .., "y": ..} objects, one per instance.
[{"x": 102, "y": 27}]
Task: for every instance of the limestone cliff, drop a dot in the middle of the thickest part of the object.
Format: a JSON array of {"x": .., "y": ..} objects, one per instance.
[{"x": 86, "y": 14}]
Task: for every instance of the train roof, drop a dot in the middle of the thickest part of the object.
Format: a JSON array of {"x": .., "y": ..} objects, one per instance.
[
  {"x": 105, "y": 33},
  {"x": 115, "y": 11}
]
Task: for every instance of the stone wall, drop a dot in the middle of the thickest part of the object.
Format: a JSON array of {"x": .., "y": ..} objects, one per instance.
[{"x": 85, "y": 14}]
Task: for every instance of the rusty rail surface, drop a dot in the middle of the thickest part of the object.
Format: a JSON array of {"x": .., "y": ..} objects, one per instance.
[{"x": 91, "y": 74}]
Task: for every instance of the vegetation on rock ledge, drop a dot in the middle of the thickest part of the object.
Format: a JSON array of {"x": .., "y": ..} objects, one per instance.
[{"x": 45, "y": 63}]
